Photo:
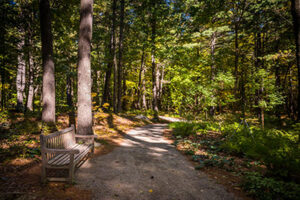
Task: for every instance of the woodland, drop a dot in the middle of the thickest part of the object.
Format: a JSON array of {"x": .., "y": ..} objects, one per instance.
[{"x": 230, "y": 69}]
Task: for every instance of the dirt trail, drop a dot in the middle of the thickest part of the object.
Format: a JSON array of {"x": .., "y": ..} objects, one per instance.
[{"x": 145, "y": 166}]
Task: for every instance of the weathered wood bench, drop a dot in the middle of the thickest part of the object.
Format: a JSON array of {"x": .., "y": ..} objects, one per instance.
[{"x": 64, "y": 150}]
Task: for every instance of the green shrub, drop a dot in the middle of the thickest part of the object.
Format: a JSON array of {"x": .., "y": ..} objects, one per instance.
[
  {"x": 185, "y": 129},
  {"x": 268, "y": 188},
  {"x": 277, "y": 149}
]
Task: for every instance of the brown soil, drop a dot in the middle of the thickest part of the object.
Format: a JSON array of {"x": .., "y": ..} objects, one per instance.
[{"x": 20, "y": 177}]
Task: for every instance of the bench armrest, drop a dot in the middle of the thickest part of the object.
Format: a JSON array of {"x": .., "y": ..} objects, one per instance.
[
  {"x": 61, "y": 151},
  {"x": 86, "y": 136}
]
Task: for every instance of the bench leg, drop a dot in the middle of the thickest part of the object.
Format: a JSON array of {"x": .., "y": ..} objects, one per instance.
[
  {"x": 93, "y": 147},
  {"x": 93, "y": 150},
  {"x": 43, "y": 174},
  {"x": 71, "y": 174},
  {"x": 71, "y": 168}
]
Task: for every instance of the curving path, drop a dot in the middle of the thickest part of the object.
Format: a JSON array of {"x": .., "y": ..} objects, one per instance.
[{"x": 145, "y": 166}]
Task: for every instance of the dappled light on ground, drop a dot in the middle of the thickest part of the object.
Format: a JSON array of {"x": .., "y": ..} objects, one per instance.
[{"x": 146, "y": 166}]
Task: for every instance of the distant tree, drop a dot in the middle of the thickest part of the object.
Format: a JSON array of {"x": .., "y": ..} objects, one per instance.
[
  {"x": 296, "y": 20},
  {"x": 120, "y": 61},
  {"x": 21, "y": 74},
  {"x": 153, "y": 55}
]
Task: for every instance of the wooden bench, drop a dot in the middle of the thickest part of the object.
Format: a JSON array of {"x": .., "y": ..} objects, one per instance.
[{"x": 64, "y": 150}]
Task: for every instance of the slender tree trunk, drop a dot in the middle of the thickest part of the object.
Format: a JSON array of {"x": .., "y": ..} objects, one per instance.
[
  {"x": 144, "y": 102},
  {"x": 114, "y": 57},
  {"x": 291, "y": 97},
  {"x": 98, "y": 87},
  {"x": 84, "y": 116},
  {"x": 213, "y": 67},
  {"x": 120, "y": 61},
  {"x": 48, "y": 113},
  {"x": 140, "y": 79},
  {"x": 70, "y": 104},
  {"x": 106, "y": 91},
  {"x": 30, "y": 92},
  {"x": 236, "y": 60},
  {"x": 125, "y": 101},
  {"x": 154, "y": 67},
  {"x": 278, "y": 86},
  {"x": 161, "y": 80},
  {"x": 21, "y": 74},
  {"x": 296, "y": 20},
  {"x": 2, "y": 59},
  {"x": 243, "y": 95}
]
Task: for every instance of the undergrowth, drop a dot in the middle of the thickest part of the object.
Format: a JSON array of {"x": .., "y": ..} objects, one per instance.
[{"x": 271, "y": 157}]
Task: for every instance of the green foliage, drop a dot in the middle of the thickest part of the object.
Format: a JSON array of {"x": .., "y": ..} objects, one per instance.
[
  {"x": 185, "y": 129},
  {"x": 3, "y": 117},
  {"x": 269, "y": 188},
  {"x": 277, "y": 149}
]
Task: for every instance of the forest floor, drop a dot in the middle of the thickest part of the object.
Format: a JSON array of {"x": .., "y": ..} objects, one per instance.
[
  {"x": 147, "y": 166},
  {"x": 20, "y": 158}
]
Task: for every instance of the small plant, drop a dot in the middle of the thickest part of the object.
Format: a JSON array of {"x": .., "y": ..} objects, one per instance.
[{"x": 268, "y": 188}]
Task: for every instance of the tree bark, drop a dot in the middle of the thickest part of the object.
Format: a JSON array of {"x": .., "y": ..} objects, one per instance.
[
  {"x": 213, "y": 67},
  {"x": 144, "y": 102},
  {"x": 236, "y": 59},
  {"x": 48, "y": 113},
  {"x": 160, "y": 86},
  {"x": 84, "y": 116},
  {"x": 114, "y": 57},
  {"x": 106, "y": 90},
  {"x": 21, "y": 74},
  {"x": 154, "y": 67},
  {"x": 30, "y": 92},
  {"x": 120, "y": 63},
  {"x": 70, "y": 99},
  {"x": 140, "y": 79},
  {"x": 296, "y": 20}
]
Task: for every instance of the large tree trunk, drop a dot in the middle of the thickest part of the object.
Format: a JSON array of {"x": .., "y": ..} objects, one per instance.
[
  {"x": 296, "y": 20},
  {"x": 120, "y": 63},
  {"x": 154, "y": 67},
  {"x": 21, "y": 74},
  {"x": 84, "y": 116},
  {"x": 48, "y": 114}
]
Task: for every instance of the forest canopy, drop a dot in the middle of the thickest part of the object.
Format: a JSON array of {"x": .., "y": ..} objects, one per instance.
[
  {"x": 228, "y": 70},
  {"x": 187, "y": 57}
]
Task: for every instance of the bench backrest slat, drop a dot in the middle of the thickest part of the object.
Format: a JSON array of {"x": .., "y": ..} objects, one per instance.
[{"x": 58, "y": 140}]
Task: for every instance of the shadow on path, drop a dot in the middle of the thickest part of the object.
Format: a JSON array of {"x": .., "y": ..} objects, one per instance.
[{"x": 146, "y": 166}]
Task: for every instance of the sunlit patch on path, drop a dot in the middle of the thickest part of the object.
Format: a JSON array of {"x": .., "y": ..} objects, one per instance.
[{"x": 147, "y": 166}]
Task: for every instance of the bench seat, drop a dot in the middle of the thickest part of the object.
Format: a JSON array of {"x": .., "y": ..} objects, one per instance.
[
  {"x": 64, "y": 150},
  {"x": 64, "y": 159}
]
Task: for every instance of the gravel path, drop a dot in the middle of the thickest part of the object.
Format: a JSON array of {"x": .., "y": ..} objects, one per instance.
[{"x": 145, "y": 166}]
